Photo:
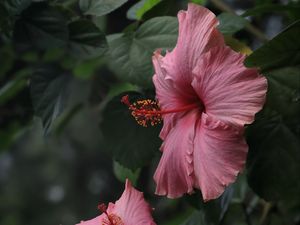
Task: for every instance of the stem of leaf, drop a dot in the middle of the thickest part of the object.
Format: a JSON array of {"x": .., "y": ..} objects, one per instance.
[
  {"x": 266, "y": 209},
  {"x": 249, "y": 27},
  {"x": 247, "y": 216}
]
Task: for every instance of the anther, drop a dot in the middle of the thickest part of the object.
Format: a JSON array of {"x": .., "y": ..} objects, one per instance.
[{"x": 146, "y": 112}]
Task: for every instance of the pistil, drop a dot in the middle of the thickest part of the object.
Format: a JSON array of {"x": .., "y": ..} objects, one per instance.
[{"x": 148, "y": 111}]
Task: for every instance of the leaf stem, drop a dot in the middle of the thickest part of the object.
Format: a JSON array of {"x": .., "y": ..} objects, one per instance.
[
  {"x": 266, "y": 209},
  {"x": 247, "y": 216}
]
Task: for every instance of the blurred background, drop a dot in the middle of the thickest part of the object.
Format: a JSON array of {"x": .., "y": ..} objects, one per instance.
[{"x": 56, "y": 130}]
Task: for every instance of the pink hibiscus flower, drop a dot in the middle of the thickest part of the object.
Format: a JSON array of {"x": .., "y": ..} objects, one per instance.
[
  {"x": 206, "y": 96},
  {"x": 130, "y": 209}
]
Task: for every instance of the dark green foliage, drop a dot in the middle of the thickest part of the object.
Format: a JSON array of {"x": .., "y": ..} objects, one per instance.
[
  {"x": 137, "y": 11},
  {"x": 274, "y": 138},
  {"x": 131, "y": 52},
  {"x": 41, "y": 26},
  {"x": 15, "y": 7},
  {"x": 273, "y": 161},
  {"x": 197, "y": 218},
  {"x": 75, "y": 57},
  {"x": 282, "y": 51},
  {"x": 291, "y": 10},
  {"x": 86, "y": 40},
  {"x": 48, "y": 92},
  {"x": 230, "y": 23},
  {"x": 99, "y": 7},
  {"x": 127, "y": 142}
]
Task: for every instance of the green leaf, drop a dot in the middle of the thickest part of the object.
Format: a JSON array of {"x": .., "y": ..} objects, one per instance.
[
  {"x": 119, "y": 88},
  {"x": 237, "y": 45},
  {"x": 8, "y": 135},
  {"x": 99, "y": 7},
  {"x": 131, "y": 53},
  {"x": 137, "y": 11},
  {"x": 14, "y": 86},
  {"x": 11, "y": 89},
  {"x": 7, "y": 60},
  {"x": 214, "y": 210},
  {"x": 230, "y": 23},
  {"x": 15, "y": 7},
  {"x": 273, "y": 157},
  {"x": 273, "y": 160},
  {"x": 48, "y": 93},
  {"x": 199, "y": 2},
  {"x": 284, "y": 91},
  {"x": 41, "y": 26},
  {"x": 292, "y": 9},
  {"x": 64, "y": 119},
  {"x": 87, "y": 68},
  {"x": 197, "y": 218},
  {"x": 86, "y": 40},
  {"x": 165, "y": 8},
  {"x": 123, "y": 173},
  {"x": 131, "y": 145},
  {"x": 281, "y": 51}
]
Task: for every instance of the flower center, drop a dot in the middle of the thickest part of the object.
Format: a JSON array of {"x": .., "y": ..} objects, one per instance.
[
  {"x": 111, "y": 219},
  {"x": 147, "y": 112}
]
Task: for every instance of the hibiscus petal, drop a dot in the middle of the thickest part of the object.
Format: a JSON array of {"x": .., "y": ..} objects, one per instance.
[
  {"x": 230, "y": 91},
  {"x": 168, "y": 95},
  {"x": 197, "y": 34},
  {"x": 132, "y": 208},
  {"x": 174, "y": 174},
  {"x": 219, "y": 155}
]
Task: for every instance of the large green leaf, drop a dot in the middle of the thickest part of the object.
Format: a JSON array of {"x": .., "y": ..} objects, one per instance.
[
  {"x": 122, "y": 173},
  {"x": 15, "y": 7},
  {"x": 99, "y": 7},
  {"x": 197, "y": 218},
  {"x": 214, "y": 210},
  {"x": 284, "y": 91},
  {"x": 41, "y": 26},
  {"x": 86, "y": 40},
  {"x": 291, "y": 9},
  {"x": 281, "y": 51},
  {"x": 273, "y": 161},
  {"x": 131, "y": 53},
  {"x": 273, "y": 139},
  {"x": 230, "y": 23},
  {"x": 165, "y": 8},
  {"x": 7, "y": 59},
  {"x": 48, "y": 93},
  {"x": 14, "y": 86},
  {"x": 137, "y": 11},
  {"x": 128, "y": 143}
]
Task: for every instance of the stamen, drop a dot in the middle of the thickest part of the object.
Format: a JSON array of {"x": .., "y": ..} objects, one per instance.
[
  {"x": 111, "y": 219},
  {"x": 147, "y": 111},
  {"x": 115, "y": 220}
]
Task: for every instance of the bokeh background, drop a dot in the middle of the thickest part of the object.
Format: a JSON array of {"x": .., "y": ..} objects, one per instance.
[{"x": 55, "y": 165}]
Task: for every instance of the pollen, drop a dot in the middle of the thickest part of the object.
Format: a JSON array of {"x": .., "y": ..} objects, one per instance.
[{"x": 146, "y": 112}]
